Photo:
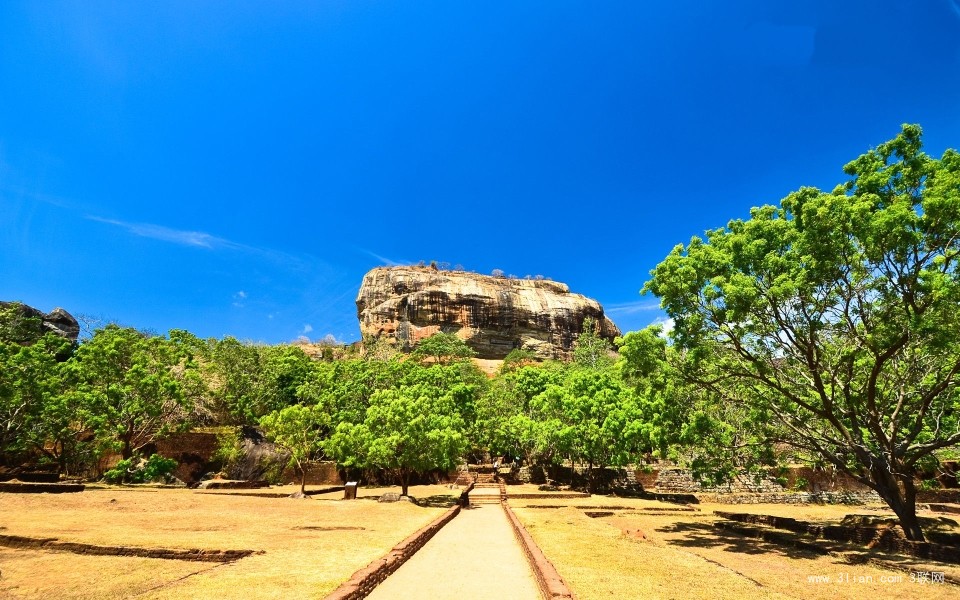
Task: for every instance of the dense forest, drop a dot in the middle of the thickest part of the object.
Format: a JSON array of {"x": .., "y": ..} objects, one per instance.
[{"x": 822, "y": 330}]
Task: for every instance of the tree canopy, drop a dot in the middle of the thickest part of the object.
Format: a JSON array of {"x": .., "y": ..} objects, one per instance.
[{"x": 834, "y": 317}]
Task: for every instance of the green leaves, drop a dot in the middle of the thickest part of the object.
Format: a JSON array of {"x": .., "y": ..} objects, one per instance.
[
  {"x": 443, "y": 348},
  {"x": 298, "y": 429},
  {"x": 834, "y": 315}
]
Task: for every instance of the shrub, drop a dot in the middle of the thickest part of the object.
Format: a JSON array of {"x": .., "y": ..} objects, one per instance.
[{"x": 139, "y": 470}]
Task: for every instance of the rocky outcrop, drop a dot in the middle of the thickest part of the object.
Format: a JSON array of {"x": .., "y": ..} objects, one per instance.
[
  {"x": 493, "y": 315},
  {"x": 27, "y": 324}
]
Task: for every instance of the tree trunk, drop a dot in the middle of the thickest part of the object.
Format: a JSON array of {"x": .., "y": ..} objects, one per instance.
[
  {"x": 303, "y": 479},
  {"x": 404, "y": 482},
  {"x": 901, "y": 496}
]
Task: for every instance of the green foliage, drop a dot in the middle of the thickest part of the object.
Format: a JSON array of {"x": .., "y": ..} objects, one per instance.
[
  {"x": 516, "y": 358},
  {"x": 251, "y": 380},
  {"x": 592, "y": 417},
  {"x": 505, "y": 422},
  {"x": 229, "y": 448},
  {"x": 591, "y": 350},
  {"x": 409, "y": 418},
  {"x": 16, "y": 327},
  {"x": 30, "y": 376},
  {"x": 138, "y": 470},
  {"x": 831, "y": 320},
  {"x": 299, "y": 430},
  {"x": 128, "y": 387},
  {"x": 443, "y": 348},
  {"x": 801, "y": 484}
]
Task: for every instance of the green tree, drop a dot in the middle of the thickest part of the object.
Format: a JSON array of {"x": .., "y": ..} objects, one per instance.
[
  {"x": 30, "y": 378},
  {"x": 249, "y": 380},
  {"x": 505, "y": 421},
  {"x": 129, "y": 387},
  {"x": 834, "y": 315},
  {"x": 17, "y": 325},
  {"x": 591, "y": 350},
  {"x": 300, "y": 430},
  {"x": 594, "y": 418},
  {"x": 407, "y": 430},
  {"x": 443, "y": 348}
]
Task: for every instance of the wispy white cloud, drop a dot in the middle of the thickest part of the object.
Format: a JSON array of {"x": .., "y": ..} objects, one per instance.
[
  {"x": 197, "y": 239},
  {"x": 631, "y": 308},
  {"x": 307, "y": 328},
  {"x": 387, "y": 261},
  {"x": 200, "y": 239}
]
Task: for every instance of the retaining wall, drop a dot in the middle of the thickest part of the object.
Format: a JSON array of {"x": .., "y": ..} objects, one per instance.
[{"x": 851, "y": 498}]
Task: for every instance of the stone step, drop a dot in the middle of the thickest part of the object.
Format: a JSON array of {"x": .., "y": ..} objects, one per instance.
[{"x": 485, "y": 500}]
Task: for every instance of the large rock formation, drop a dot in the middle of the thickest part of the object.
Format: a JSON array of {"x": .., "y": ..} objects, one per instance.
[
  {"x": 493, "y": 315},
  {"x": 27, "y": 324}
]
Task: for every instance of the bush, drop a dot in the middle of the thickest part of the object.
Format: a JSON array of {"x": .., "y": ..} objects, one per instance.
[
  {"x": 139, "y": 470},
  {"x": 229, "y": 450}
]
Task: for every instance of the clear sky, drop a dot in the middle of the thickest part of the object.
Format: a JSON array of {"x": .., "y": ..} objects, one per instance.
[{"x": 235, "y": 168}]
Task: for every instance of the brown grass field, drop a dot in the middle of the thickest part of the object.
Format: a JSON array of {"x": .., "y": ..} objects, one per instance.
[
  {"x": 306, "y": 548},
  {"x": 651, "y": 550}
]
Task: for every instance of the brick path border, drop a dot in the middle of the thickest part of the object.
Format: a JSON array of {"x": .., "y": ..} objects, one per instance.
[
  {"x": 366, "y": 579},
  {"x": 551, "y": 585}
]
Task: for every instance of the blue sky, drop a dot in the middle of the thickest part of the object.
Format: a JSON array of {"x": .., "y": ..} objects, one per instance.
[{"x": 235, "y": 168}]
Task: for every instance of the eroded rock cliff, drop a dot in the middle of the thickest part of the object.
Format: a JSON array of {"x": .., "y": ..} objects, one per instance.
[{"x": 493, "y": 315}]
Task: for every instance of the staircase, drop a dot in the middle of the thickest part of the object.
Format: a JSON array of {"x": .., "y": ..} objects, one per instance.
[
  {"x": 465, "y": 477},
  {"x": 486, "y": 493}
]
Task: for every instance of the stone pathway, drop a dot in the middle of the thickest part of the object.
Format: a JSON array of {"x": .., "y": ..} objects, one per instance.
[{"x": 473, "y": 556}]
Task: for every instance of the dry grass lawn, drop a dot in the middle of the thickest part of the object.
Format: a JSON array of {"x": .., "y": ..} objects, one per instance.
[
  {"x": 647, "y": 549},
  {"x": 308, "y": 547}
]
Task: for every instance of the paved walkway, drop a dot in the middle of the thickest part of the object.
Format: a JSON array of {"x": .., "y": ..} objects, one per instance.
[{"x": 474, "y": 556}]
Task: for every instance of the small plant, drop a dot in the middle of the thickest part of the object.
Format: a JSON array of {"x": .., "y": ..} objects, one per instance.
[
  {"x": 138, "y": 470},
  {"x": 229, "y": 449},
  {"x": 800, "y": 484},
  {"x": 929, "y": 484}
]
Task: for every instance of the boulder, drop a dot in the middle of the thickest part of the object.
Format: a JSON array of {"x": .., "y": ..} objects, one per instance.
[
  {"x": 493, "y": 315},
  {"x": 30, "y": 324}
]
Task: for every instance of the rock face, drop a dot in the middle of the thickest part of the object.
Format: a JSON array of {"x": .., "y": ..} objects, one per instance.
[
  {"x": 493, "y": 315},
  {"x": 31, "y": 324}
]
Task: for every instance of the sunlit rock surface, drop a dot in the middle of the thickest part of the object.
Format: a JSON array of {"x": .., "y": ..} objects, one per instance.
[{"x": 493, "y": 315}]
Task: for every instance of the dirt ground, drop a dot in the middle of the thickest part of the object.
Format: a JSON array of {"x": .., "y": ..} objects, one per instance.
[
  {"x": 652, "y": 549},
  {"x": 306, "y": 548}
]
